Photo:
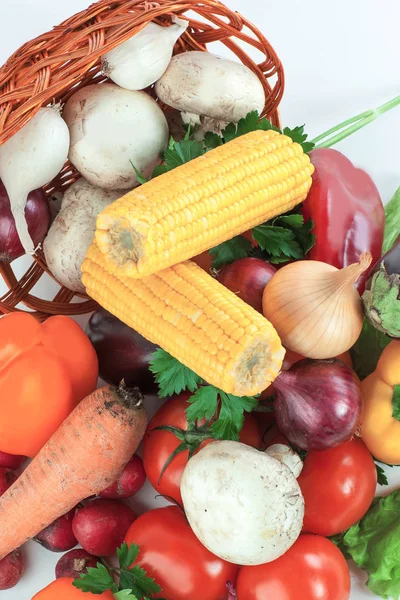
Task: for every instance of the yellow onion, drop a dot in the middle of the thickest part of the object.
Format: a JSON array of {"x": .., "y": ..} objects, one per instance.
[{"x": 315, "y": 307}]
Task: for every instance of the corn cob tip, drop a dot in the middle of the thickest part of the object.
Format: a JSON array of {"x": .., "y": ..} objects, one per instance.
[
  {"x": 257, "y": 367},
  {"x": 119, "y": 240}
]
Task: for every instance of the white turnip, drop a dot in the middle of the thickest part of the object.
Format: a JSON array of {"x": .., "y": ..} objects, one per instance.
[
  {"x": 243, "y": 505},
  {"x": 72, "y": 231},
  {"x": 29, "y": 160},
  {"x": 112, "y": 131}
]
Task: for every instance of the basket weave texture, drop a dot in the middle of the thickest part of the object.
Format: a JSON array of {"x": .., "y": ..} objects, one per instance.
[{"x": 55, "y": 65}]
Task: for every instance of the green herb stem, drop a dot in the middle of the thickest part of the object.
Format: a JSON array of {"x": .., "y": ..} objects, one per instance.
[{"x": 350, "y": 126}]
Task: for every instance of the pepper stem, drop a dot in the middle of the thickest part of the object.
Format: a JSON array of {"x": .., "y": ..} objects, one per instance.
[{"x": 348, "y": 127}]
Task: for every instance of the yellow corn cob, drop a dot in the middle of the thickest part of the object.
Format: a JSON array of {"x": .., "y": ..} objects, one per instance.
[
  {"x": 194, "y": 318},
  {"x": 204, "y": 202}
]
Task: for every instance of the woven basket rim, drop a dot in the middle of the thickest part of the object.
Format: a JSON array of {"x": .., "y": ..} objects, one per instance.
[{"x": 53, "y": 65}]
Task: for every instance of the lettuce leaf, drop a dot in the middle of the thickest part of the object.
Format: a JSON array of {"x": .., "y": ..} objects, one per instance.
[{"x": 374, "y": 545}]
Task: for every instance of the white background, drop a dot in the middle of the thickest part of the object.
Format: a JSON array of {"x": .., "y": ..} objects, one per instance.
[{"x": 340, "y": 58}]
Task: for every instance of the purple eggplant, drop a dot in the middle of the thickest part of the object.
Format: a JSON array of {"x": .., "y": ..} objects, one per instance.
[
  {"x": 382, "y": 295},
  {"x": 122, "y": 352}
]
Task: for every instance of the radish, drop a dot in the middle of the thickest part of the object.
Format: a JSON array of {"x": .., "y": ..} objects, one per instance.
[
  {"x": 113, "y": 130},
  {"x": 243, "y": 505}
]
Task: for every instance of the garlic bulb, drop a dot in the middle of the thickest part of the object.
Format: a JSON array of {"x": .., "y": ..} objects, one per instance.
[{"x": 144, "y": 58}]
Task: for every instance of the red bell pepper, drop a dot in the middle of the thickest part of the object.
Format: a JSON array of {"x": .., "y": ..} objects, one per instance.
[{"x": 347, "y": 211}]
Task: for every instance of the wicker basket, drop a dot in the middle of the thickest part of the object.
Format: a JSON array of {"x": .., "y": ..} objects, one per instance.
[{"x": 56, "y": 64}]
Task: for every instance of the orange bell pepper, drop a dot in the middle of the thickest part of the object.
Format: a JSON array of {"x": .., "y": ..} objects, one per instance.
[
  {"x": 380, "y": 431},
  {"x": 45, "y": 370},
  {"x": 62, "y": 589}
]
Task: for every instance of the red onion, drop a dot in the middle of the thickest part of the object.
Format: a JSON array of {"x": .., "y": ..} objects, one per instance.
[
  {"x": 37, "y": 215},
  {"x": 318, "y": 403}
]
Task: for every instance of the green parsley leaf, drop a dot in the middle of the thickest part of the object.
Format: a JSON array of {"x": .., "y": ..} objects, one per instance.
[
  {"x": 278, "y": 242},
  {"x": 374, "y": 545},
  {"x": 145, "y": 585},
  {"x": 382, "y": 478},
  {"x": 138, "y": 174},
  {"x": 127, "y": 555},
  {"x": 392, "y": 222},
  {"x": 252, "y": 122},
  {"x": 182, "y": 152},
  {"x": 396, "y": 402},
  {"x": 285, "y": 237},
  {"x": 97, "y": 580},
  {"x": 203, "y": 404},
  {"x": 231, "y": 417},
  {"x": 229, "y": 251},
  {"x": 297, "y": 134},
  {"x": 171, "y": 375},
  {"x": 125, "y": 595},
  {"x": 212, "y": 140},
  {"x": 159, "y": 170}
]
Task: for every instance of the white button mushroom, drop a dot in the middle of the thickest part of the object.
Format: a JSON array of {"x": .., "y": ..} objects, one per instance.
[
  {"x": 111, "y": 130},
  {"x": 209, "y": 90},
  {"x": 243, "y": 505},
  {"x": 287, "y": 456}
]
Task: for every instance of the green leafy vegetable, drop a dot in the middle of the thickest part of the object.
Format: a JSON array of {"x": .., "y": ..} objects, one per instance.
[
  {"x": 171, "y": 375},
  {"x": 203, "y": 404},
  {"x": 229, "y": 251},
  {"x": 207, "y": 401},
  {"x": 396, "y": 403},
  {"x": 138, "y": 174},
  {"x": 134, "y": 583},
  {"x": 127, "y": 555},
  {"x": 382, "y": 478},
  {"x": 125, "y": 595},
  {"x": 374, "y": 545},
  {"x": 97, "y": 580},
  {"x": 252, "y": 122},
  {"x": 231, "y": 417},
  {"x": 297, "y": 134},
  {"x": 179, "y": 153},
  {"x": 285, "y": 237},
  {"x": 392, "y": 221},
  {"x": 367, "y": 350}
]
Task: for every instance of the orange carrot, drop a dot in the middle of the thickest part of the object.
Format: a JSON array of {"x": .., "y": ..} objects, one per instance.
[{"x": 83, "y": 457}]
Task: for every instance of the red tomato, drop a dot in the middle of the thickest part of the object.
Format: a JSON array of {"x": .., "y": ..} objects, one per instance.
[
  {"x": 172, "y": 554},
  {"x": 312, "y": 569},
  {"x": 338, "y": 486},
  {"x": 159, "y": 445}
]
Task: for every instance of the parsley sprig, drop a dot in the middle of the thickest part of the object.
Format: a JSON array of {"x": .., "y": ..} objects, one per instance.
[
  {"x": 223, "y": 413},
  {"x": 133, "y": 582}
]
